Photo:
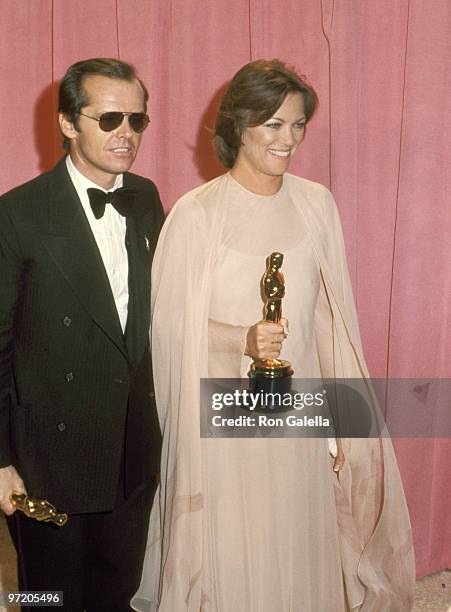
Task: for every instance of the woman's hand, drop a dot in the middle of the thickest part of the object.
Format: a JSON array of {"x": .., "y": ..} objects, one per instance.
[
  {"x": 340, "y": 458},
  {"x": 264, "y": 339}
]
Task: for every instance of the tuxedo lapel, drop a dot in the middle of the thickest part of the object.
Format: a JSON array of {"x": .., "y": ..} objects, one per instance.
[
  {"x": 138, "y": 319},
  {"x": 137, "y": 242},
  {"x": 69, "y": 240}
]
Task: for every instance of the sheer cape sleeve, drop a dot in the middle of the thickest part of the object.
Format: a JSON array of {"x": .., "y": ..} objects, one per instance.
[{"x": 375, "y": 533}]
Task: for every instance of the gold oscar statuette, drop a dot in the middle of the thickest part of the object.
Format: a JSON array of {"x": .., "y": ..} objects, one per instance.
[
  {"x": 263, "y": 371},
  {"x": 38, "y": 509}
]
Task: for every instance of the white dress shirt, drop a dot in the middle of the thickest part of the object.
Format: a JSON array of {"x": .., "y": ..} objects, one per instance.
[{"x": 109, "y": 234}]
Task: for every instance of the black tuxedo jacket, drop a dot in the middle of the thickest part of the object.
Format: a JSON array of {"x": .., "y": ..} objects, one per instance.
[{"x": 77, "y": 401}]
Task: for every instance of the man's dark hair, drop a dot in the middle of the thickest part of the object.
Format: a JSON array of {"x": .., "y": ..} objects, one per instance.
[
  {"x": 255, "y": 93},
  {"x": 72, "y": 96}
]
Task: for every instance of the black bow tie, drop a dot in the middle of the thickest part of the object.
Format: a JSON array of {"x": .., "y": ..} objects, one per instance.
[{"x": 122, "y": 199}]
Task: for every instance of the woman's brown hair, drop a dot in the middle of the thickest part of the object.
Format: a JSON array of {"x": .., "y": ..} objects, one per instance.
[{"x": 255, "y": 93}]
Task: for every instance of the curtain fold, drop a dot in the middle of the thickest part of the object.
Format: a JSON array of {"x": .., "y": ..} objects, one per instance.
[{"x": 420, "y": 315}]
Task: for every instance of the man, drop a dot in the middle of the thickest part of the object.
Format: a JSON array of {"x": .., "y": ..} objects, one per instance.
[{"x": 78, "y": 423}]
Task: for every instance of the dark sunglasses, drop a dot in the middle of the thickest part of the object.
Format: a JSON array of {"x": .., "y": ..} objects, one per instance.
[{"x": 112, "y": 120}]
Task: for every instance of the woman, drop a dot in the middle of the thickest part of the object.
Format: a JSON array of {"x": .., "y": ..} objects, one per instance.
[{"x": 266, "y": 524}]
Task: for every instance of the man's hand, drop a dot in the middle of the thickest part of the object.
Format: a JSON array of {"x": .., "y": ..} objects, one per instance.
[
  {"x": 9, "y": 481},
  {"x": 264, "y": 339}
]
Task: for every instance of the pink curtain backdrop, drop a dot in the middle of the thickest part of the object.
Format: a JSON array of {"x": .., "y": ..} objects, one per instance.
[{"x": 380, "y": 140}]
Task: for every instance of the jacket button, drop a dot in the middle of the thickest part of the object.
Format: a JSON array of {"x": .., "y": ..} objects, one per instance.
[
  {"x": 67, "y": 321},
  {"x": 69, "y": 376},
  {"x": 61, "y": 426},
  {"x": 119, "y": 381},
  {"x": 151, "y": 395}
]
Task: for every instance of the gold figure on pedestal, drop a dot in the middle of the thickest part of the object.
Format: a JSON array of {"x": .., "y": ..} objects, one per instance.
[
  {"x": 38, "y": 509},
  {"x": 274, "y": 290}
]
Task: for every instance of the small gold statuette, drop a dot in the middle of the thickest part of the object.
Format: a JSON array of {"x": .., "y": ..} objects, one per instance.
[
  {"x": 38, "y": 509},
  {"x": 274, "y": 290}
]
